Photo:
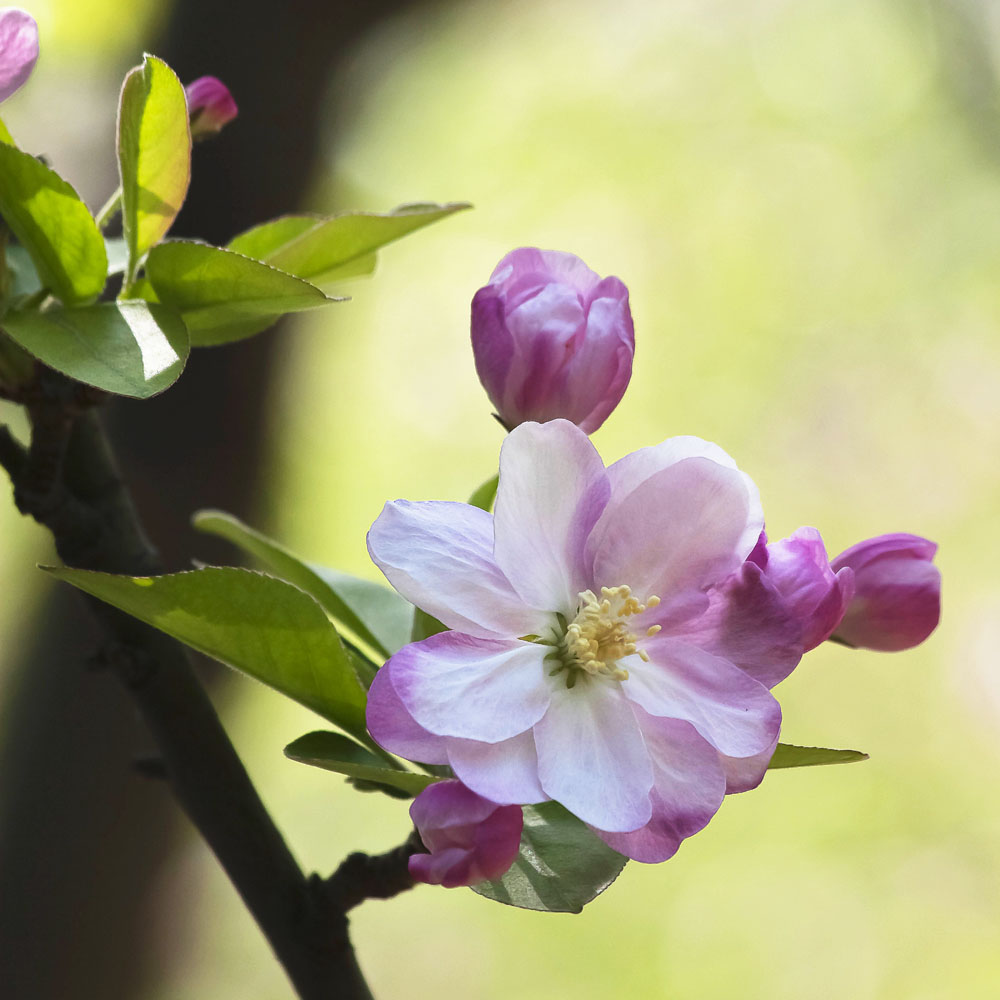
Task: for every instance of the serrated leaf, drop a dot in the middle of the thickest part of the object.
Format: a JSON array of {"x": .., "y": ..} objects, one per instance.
[
  {"x": 264, "y": 627},
  {"x": 222, "y": 295},
  {"x": 154, "y": 155},
  {"x": 562, "y": 865},
  {"x": 337, "y": 753},
  {"x": 130, "y": 348},
  {"x": 340, "y": 246},
  {"x": 377, "y": 616},
  {"x": 53, "y": 225},
  {"x": 484, "y": 496},
  {"x": 787, "y": 755}
]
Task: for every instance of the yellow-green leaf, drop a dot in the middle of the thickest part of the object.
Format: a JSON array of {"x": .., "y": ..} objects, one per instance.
[{"x": 154, "y": 155}]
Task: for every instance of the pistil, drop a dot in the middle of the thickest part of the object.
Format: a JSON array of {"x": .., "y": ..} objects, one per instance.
[{"x": 600, "y": 635}]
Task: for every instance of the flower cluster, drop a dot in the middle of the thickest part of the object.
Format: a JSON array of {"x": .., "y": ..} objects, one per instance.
[{"x": 613, "y": 633}]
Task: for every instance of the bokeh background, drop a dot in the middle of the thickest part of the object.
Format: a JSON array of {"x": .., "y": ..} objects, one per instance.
[{"x": 803, "y": 197}]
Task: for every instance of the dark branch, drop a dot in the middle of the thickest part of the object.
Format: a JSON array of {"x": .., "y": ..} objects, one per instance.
[
  {"x": 68, "y": 481},
  {"x": 365, "y": 876}
]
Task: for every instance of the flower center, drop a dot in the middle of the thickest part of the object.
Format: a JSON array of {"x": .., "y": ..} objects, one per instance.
[{"x": 601, "y": 634}]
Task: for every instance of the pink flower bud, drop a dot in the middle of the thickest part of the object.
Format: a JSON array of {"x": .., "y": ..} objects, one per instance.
[
  {"x": 897, "y": 596},
  {"x": 813, "y": 592},
  {"x": 18, "y": 49},
  {"x": 210, "y": 105},
  {"x": 470, "y": 839},
  {"x": 552, "y": 339}
]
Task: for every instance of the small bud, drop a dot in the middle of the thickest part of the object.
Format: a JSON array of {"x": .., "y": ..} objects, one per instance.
[
  {"x": 814, "y": 593},
  {"x": 210, "y": 105},
  {"x": 897, "y": 593},
  {"x": 470, "y": 839},
  {"x": 552, "y": 339},
  {"x": 18, "y": 49}
]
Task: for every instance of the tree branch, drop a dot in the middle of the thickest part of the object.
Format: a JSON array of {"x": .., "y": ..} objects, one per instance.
[
  {"x": 68, "y": 481},
  {"x": 381, "y": 876}
]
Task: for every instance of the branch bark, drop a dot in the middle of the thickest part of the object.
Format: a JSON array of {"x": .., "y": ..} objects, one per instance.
[{"x": 68, "y": 481}]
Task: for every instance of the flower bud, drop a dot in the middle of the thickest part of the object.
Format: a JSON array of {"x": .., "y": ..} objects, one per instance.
[
  {"x": 552, "y": 339},
  {"x": 814, "y": 593},
  {"x": 470, "y": 839},
  {"x": 897, "y": 595},
  {"x": 18, "y": 49},
  {"x": 210, "y": 105}
]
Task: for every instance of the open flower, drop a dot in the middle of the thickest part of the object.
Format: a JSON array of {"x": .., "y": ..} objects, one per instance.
[
  {"x": 594, "y": 659},
  {"x": 897, "y": 599},
  {"x": 469, "y": 838},
  {"x": 552, "y": 339},
  {"x": 18, "y": 49}
]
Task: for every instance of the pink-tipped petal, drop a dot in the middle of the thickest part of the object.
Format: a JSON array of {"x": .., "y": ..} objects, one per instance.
[
  {"x": 439, "y": 556},
  {"x": 392, "y": 726},
  {"x": 688, "y": 788},
  {"x": 552, "y": 491},
  {"x": 505, "y": 772},
  {"x": 735, "y": 713},
  {"x": 477, "y": 689},
  {"x": 591, "y": 755},
  {"x": 686, "y": 527},
  {"x": 748, "y": 623},
  {"x": 745, "y": 773}
]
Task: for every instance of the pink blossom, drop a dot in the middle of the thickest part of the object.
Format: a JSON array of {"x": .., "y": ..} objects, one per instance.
[
  {"x": 597, "y": 655},
  {"x": 897, "y": 598},
  {"x": 18, "y": 49},
  {"x": 813, "y": 593},
  {"x": 210, "y": 105},
  {"x": 552, "y": 339},
  {"x": 470, "y": 839}
]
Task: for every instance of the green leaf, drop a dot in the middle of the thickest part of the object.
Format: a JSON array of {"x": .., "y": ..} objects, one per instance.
[
  {"x": 336, "y": 247},
  {"x": 222, "y": 295},
  {"x": 424, "y": 626},
  {"x": 154, "y": 155},
  {"x": 24, "y": 277},
  {"x": 53, "y": 225},
  {"x": 483, "y": 497},
  {"x": 787, "y": 755},
  {"x": 561, "y": 866},
  {"x": 337, "y": 753},
  {"x": 130, "y": 348},
  {"x": 117, "y": 251},
  {"x": 376, "y": 615},
  {"x": 5, "y": 135},
  {"x": 255, "y": 623}
]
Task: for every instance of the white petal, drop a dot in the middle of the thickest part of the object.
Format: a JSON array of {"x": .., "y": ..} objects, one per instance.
[
  {"x": 686, "y": 527},
  {"x": 504, "y": 772},
  {"x": 688, "y": 788},
  {"x": 439, "y": 556},
  {"x": 591, "y": 756},
  {"x": 552, "y": 491},
  {"x": 734, "y": 712},
  {"x": 479, "y": 689}
]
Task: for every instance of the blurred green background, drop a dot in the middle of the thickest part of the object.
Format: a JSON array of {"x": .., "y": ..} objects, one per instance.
[{"x": 803, "y": 197}]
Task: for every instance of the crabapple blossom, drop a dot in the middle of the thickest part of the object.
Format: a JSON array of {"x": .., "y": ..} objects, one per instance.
[
  {"x": 552, "y": 339},
  {"x": 469, "y": 838},
  {"x": 897, "y": 592},
  {"x": 596, "y": 656},
  {"x": 18, "y": 49}
]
